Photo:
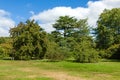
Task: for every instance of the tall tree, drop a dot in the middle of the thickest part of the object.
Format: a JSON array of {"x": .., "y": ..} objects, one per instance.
[
  {"x": 64, "y": 25},
  {"x": 108, "y": 30},
  {"x": 75, "y": 38},
  {"x": 29, "y": 40},
  {"x": 64, "y": 28}
]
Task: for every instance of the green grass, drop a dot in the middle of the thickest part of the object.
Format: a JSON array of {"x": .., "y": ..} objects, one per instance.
[{"x": 32, "y": 70}]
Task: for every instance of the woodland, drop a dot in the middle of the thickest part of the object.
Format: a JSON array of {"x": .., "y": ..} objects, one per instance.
[{"x": 72, "y": 39}]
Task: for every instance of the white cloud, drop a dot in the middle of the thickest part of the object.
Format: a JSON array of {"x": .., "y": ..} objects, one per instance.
[
  {"x": 5, "y": 23},
  {"x": 49, "y": 28},
  {"x": 92, "y": 12}
]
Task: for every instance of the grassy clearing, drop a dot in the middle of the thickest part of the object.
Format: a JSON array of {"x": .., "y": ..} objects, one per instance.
[{"x": 41, "y": 70}]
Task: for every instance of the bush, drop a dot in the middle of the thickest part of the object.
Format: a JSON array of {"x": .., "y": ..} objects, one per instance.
[
  {"x": 86, "y": 56},
  {"x": 84, "y": 53},
  {"x": 55, "y": 53}
]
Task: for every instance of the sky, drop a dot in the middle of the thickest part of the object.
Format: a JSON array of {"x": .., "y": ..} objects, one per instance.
[{"x": 46, "y": 12}]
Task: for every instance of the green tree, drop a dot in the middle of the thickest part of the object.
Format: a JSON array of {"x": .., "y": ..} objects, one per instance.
[
  {"x": 72, "y": 36},
  {"x": 6, "y": 47},
  {"x": 64, "y": 25},
  {"x": 108, "y": 30},
  {"x": 81, "y": 29},
  {"x": 29, "y": 41},
  {"x": 83, "y": 49}
]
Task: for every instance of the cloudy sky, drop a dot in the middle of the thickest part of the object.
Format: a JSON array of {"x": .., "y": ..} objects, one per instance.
[{"x": 47, "y": 11}]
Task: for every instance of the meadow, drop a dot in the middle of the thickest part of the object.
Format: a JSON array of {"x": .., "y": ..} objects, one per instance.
[{"x": 64, "y": 70}]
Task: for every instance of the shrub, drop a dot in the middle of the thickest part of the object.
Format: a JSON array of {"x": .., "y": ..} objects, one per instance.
[
  {"x": 55, "y": 53},
  {"x": 83, "y": 52},
  {"x": 86, "y": 56}
]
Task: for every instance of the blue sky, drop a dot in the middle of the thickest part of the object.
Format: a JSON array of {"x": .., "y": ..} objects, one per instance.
[
  {"x": 20, "y": 9},
  {"x": 45, "y": 12}
]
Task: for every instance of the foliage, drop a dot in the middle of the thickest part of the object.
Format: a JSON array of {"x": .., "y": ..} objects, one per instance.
[
  {"x": 29, "y": 41},
  {"x": 108, "y": 30},
  {"x": 108, "y": 33},
  {"x": 102, "y": 54},
  {"x": 5, "y": 47},
  {"x": 71, "y": 38},
  {"x": 83, "y": 52},
  {"x": 75, "y": 38},
  {"x": 1, "y": 52},
  {"x": 54, "y": 52},
  {"x": 113, "y": 52},
  {"x": 64, "y": 25},
  {"x": 2, "y": 40}
]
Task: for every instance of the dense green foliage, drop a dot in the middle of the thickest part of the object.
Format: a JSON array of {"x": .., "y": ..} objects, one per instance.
[
  {"x": 5, "y": 47},
  {"x": 113, "y": 51},
  {"x": 73, "y": 37},
  {"x": 29, "y": 41},
  {"x": 70, "y": 39},
  {"x": 108, "y": 32}
]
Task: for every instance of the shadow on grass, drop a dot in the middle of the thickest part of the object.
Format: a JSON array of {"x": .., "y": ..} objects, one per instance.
[
  {"x": 67, "y": 60},
  {"x": 110, "y": 60}
]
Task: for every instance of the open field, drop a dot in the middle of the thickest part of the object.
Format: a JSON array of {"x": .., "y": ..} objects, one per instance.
[{"x": 41, "y": 70}]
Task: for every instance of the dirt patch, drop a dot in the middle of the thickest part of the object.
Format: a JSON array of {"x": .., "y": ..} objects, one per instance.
[
  {"x": 26, "y": 69},
  {"x": 32, "y": 76},
  {"x": 61, "y": 76},
  {"x": 51, "y": 74}
]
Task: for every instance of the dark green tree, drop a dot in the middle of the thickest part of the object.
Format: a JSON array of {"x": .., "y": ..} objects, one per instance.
[{"x": 64, "y": 25}]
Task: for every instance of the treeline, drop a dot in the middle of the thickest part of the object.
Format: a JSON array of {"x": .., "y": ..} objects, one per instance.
[{"x": 72, "y": 38}]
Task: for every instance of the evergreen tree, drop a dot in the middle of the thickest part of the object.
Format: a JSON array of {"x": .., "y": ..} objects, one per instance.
[
  {"x": 75, "y": 38},
  {"x": 29, "y": 41}
]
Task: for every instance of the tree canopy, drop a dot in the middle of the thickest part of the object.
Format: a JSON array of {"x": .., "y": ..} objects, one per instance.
[
  {"x": 29, "y": 40},
  {"x": 108, "y": 30}
]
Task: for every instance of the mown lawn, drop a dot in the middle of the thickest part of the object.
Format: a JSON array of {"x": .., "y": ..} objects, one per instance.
[{"x": 37, "y": 70}]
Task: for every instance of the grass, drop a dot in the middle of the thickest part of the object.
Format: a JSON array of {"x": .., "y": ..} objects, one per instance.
[{"x": 36, "y": 70}]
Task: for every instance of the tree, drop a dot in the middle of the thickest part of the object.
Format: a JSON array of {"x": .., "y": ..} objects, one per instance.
[
  {"x": 6, "y": 47},
  {"x": 75, "y": 38},
  {"x": 81, "y": 29},
  {"x": 108, "y": 30},
  {"x": 64, "y": 25},
  {"x": 83, "y": 49},
  {"x": 29, "y": 41}
]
